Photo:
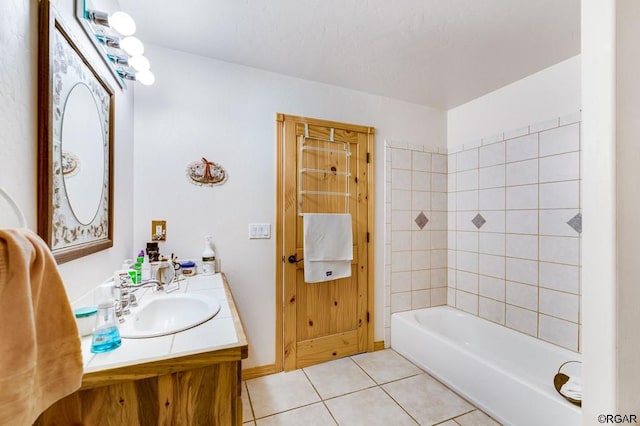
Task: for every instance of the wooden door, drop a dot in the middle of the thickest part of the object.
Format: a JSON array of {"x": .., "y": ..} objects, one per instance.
[{"x": 332, "y": 174}]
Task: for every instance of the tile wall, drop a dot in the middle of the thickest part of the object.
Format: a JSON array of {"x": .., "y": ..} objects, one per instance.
[
  {"x": 513, "y": 225},
  {"x": 416, "y": 234}
]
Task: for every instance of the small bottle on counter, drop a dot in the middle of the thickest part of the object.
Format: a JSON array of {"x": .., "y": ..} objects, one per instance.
[{"x": 208, "y": 257}]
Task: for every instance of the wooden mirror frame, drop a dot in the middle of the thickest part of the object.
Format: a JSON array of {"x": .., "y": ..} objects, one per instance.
[{"x": 57, "y": 225}]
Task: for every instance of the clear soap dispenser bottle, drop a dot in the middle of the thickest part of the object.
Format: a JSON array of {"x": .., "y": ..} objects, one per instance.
[
  {"x": 106, "y": 336},
  {"x": 208, "y": 257}
]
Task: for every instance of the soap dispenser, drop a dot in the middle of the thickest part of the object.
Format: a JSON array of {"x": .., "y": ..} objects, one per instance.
[{"x": 208, "y": 257}]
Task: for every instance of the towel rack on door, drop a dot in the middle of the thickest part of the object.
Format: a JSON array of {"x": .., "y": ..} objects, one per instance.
[
  {"x": 15, "y": 207},
  {"x": 331, "y": 147}
]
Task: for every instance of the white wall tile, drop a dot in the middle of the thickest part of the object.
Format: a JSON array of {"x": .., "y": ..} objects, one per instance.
[
  {"x": 401, "y": 159},
  {"x": 463, "y": 220},
  {"x": 438, "y": 277},
  {"x": 522, "y": 271},
  {"x": 491, "y": 265},
  {"x": 522, "y": 197},
  {"x": 437, "y": 220},
  {"x": 467, "y": 302},
  {"x": 467, "y": 241},
  {"x": 491, "y": 243},
  {"x": 560, "y": 277},
  {"x": 451, "y": 296},
  {"x": 400, "y": 199},
  {"x": 560, "y": 305},
  {"x": 467, "y": 261},
  {"x": 467, "y": 200},
  {"x": 387, "y": 172},
  {"x": 439, "y": 239},
  {"x": 562, "y": 139},
  {"x": 420, "y": 260},
  {"x": 452, "y": 258},
  {"x": 400, "y": 179},
  {"x": 491, "y": 199},
  {"x": 491, "y": 155},
  {"x": 467, "y": 160},
  {"x": 420, "y": 240},
  {"x": 522, "y": 295},
  {"x": 491, "y": 177},
  {"x": 420, "y": 200},
  {"x": 420, "y": 280},
  {"x": 522, "y": 131},
  {"x": 522, "y": 148},
  {"x": 452, "y": 202},
  {"x": 400, "y": 261},
  {"x": 439, "y": 201},
  {"x": 401, "y": 220},
  {"x": 492, "y": 139},
  {"x": 560, "y": 195},
  {"x": 452, "y": 182},
  {"x": 467, "y": 281},
  {"x": 560, "y": 167},
  {"x": 522, "y": 246},
  {"x": 400, "y": 281},
  {"x": 522, "y": 320},
  {"x": 438, "y": 163},
  {"x": 401, "y": 240},
  {"x": 401, "y": 302},
  {"x": 562, "y": 333},
  {"x": 491, "y": 310},
  {"x": 570, "y": 118},
  {"x": 544, "y": 125},
  {"x": 438, "y": 296},
  {"x": 560, "y": 250},
  {"x": 451, "y": 277},
  {"x": 439, "y": 182},
  {"x": 522, "y": 221},
  {"x": 438, "y": 258},
  {"x": 522, "y": 172},
  {"x": 495, "y": 220},
  {"x": 421, "y": 181},
  {"x": 452, "y": 163},
  {"x": 467, "y": 180},
  {"x": 420, "y": 299},
  {"x": 492, "y": 287},
  {"x": 554, "y": 222},
  {"x": 421, "y": 161}
]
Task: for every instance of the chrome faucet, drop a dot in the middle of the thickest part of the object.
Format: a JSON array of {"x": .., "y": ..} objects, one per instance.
[{"x": 127, "y": 298}]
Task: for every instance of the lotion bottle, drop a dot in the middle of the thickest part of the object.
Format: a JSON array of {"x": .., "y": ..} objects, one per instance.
[{"x": 208, "y": 257}]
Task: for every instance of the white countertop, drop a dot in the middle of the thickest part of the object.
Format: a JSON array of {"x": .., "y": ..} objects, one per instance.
[{"x": 216, "y": 333}]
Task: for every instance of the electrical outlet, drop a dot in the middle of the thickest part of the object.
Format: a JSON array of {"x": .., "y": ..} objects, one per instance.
[
  {"x": 158, "y": 230},
  {"x": 259, "y": 231}
]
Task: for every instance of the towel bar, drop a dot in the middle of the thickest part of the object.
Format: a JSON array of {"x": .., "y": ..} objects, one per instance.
[{"x": 16, "y": 208}]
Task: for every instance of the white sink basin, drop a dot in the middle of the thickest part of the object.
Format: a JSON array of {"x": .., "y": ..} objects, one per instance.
[{"x": 164, "y": 314}]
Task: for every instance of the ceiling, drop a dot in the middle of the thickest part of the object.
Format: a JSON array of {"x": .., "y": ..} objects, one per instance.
[{"x": 440, "y": 53}]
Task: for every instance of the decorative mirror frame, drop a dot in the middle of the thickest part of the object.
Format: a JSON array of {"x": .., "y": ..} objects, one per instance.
[{"x": 57, "y": 225}]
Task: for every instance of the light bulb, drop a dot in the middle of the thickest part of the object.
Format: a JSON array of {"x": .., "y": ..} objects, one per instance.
[
  {"x": 145, "y": 77},
  {"x": 139, "y": 63},
  {"x": 122, "y": 23},
  {"x": 132, "y": 46}
]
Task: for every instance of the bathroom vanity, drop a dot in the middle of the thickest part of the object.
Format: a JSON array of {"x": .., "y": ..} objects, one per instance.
[{"x": 190, "y": 377}]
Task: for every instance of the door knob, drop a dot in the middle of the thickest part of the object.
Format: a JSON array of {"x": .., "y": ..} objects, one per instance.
[{"x": 294, "y": 259}]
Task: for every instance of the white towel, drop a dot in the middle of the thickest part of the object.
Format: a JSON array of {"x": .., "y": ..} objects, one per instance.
[
  {"x": 328, "y": 246},
  {"x": 573, "y": 388}
]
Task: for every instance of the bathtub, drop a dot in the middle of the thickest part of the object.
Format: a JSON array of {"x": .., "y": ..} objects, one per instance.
[{"x": 507, "y": 374}]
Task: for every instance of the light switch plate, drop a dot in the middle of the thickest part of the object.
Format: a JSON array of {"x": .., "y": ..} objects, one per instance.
[{"x": 259, "y": 231}]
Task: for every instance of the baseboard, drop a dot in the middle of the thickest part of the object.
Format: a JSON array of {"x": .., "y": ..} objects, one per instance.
[
  {"x": 378, "y": 346},
  {"x": 262, "y": 370}
]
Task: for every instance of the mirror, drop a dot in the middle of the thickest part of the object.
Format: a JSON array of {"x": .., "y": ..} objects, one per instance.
[{"x": 75, "y": 132}]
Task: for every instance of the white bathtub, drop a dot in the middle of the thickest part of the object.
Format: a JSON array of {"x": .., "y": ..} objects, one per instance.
[{"x": 507, "y": 374}]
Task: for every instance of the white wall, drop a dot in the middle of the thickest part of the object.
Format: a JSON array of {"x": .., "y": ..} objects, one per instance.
[
  {"x": 226, "y": 113},
  {"x": 18, "y": 135},
  {"x": 550, "y": 93}
]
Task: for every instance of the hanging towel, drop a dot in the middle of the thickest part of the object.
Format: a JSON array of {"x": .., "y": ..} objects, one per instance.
[
  {"x": 40, "y": 355},
  {"x": 328, "y": 246}
]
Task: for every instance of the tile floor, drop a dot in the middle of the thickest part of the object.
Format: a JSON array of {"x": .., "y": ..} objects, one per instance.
[{"x": 378, "y": 388}]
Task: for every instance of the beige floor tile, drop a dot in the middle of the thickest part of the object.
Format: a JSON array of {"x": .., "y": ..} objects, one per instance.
[
  {"x": 386, "y": 366},
  {"x": 369, "y": 407},
  {"x": 280, "y": 392},
  {"x": 426, "y": 399},
  {"x": 247, "y": 413},
  {"x": 476, "y": 418},
  {"x": 311, "y": 415},
  {"x": 251, "y": 423},
  {"x": 338, "y": 377},
  {"x": 448, "y": 423}
]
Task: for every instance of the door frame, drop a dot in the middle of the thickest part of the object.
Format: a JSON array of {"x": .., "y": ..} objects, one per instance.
[{"x": 280, "y": 257}]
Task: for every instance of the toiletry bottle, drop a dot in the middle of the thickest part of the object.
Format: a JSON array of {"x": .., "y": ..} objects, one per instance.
[
  {"x": 106, "y": 336},
  {"x": 138, "y": 267},
  {"x": 127, "y": 265},
  {"x": 208, "y": 258}
]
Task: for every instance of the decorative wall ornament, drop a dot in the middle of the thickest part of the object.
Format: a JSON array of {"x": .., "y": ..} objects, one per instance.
[
  {"x": 70, "y": 164},
  {"x": 205, "y": 172}
]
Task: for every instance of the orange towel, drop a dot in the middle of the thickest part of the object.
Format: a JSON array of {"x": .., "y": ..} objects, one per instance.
[{"x": 40, "y": 356}]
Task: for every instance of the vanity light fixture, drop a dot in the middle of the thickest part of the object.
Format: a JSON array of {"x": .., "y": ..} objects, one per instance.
[{"x": 114, "y": 33}]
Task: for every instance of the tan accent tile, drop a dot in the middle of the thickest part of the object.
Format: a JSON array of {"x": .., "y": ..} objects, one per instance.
[
  {"x": 385, "y": 366},
  {"x": 368, "y": 407}
]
